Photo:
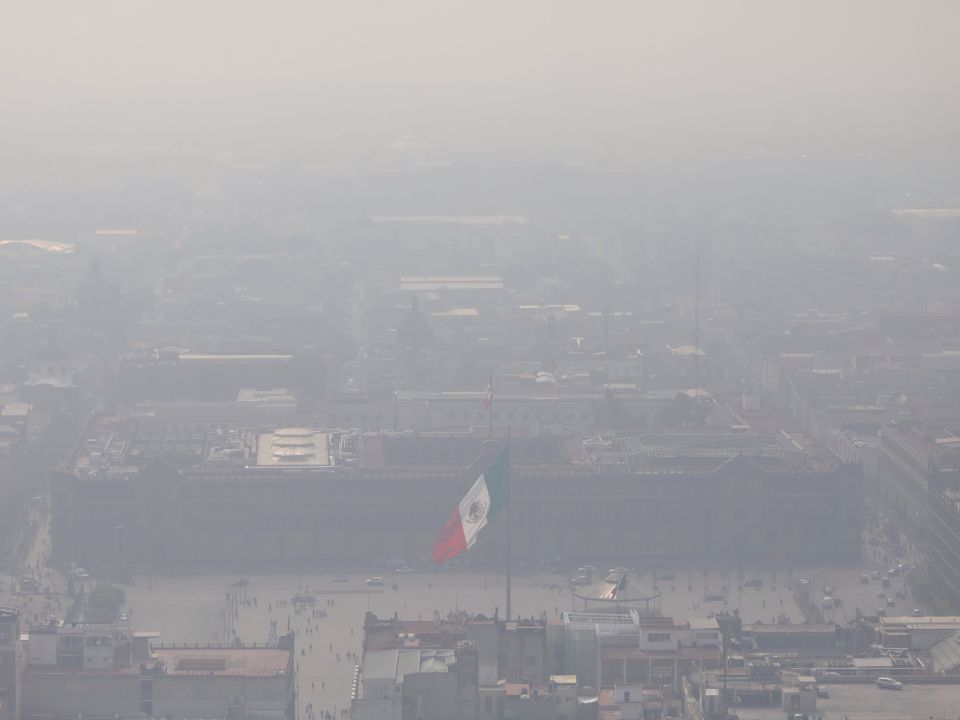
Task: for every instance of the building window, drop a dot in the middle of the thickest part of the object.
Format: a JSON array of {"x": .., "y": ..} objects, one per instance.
[
  {"x": 659, "y": 637},
  {"x": 626, "y": 696}
]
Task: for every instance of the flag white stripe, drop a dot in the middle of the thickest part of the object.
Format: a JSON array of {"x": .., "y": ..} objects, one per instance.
[{"x": 474, "y": 509}]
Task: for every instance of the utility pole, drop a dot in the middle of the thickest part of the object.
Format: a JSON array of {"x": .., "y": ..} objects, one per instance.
[{"x": 509, "y": 523}]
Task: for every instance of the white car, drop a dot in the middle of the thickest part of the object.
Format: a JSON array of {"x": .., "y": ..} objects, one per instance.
[
  {"x": 375, "y": 581},
  {"x": 885, "y": 683},
  {"x": 404, "y": 570}
]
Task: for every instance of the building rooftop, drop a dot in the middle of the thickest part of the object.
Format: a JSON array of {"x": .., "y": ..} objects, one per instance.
[
  {"x": 927, "y": 622},
  {"x": 783, "y": 629},
  {"x": 683, "y": 653},
  {"x": 395, "y": 664},
  {"x": 452, "y": 283},
  {"x": 234, "y": 662},
  {"x": 627, "y": 620},
  {"x": 300, "y": 447},
  {"x": 200, "y": 661}
]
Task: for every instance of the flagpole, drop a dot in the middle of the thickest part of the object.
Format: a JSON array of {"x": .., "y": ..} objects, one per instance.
[
  {"x": 490, "y": 407},
  {"x": 509, "y": 523}
]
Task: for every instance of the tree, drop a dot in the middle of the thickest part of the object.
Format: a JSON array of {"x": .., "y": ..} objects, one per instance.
[
  {"x": 685, "y": 410},
  {"x": 104, "y": 603},
  {"x": 415, "y": 331},
  {"x": 611, "y": 413}
]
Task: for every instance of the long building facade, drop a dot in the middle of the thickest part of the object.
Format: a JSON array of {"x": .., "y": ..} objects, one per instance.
[{"x": 298, "y": 499}]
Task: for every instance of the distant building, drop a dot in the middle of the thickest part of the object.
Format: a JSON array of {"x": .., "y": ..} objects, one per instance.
[
  {"x": 470, "y": 668},
  {"x": 97, "y": 670},
  {"x": 11, "y": 662},
  {"x": 170, "y": 374},
  {"x": 144, "y": 493},
  {"x": 611, "y": 648},
  {"x": 409, "y": 683}
]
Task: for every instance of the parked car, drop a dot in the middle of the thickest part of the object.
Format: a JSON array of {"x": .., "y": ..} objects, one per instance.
[
  {"x": 753, "y": 582},
  {"x": 917, "y": 612},
  {"x": 823, "y": 691},
  {"x": 405, "y": 570},
  {"x": 886, "y": 683},
  {"x": 891, "y": 602},
  {"x": 875, "y": 574},
  {"x": 881, "y": 612},
  {"x": 865, "y": 579},
  {"x": 374, "y": 581},
  {"x": 341, "y": 578}
]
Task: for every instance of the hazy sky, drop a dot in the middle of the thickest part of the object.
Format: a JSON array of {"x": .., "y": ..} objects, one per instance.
[{"x": 165, "y": 69}]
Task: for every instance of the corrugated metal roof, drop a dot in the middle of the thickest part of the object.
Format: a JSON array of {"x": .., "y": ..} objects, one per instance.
[
  {"x": 395, "y": 664},
  {"x": 946, "y": 654},
  {"x": 408, "y": 661}
]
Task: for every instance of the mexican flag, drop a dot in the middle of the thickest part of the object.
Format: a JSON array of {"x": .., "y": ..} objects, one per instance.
[{"x": 480, "y": 505}]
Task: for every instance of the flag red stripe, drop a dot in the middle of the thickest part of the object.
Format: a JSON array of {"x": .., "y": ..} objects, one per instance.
[{"x": 452, "y": 541}]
